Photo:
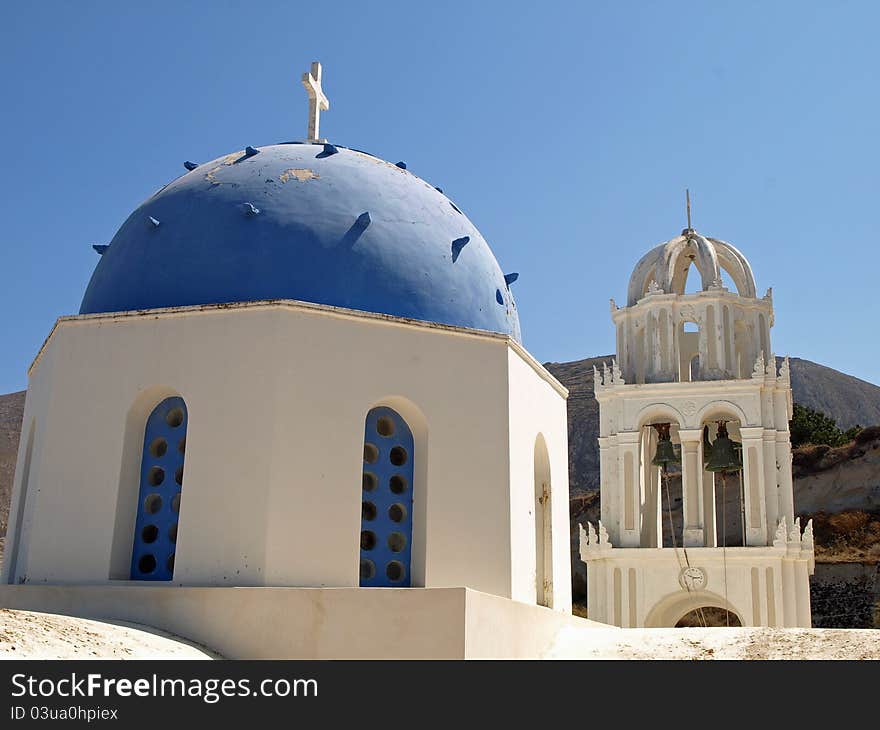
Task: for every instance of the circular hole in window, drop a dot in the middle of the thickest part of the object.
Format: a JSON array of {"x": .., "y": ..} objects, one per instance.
[
  {"x": 155, "y": 476},
  {"x": 158, "y": 447},
  {"x": 172, "y": 533},
  {"x": 181, "y": 445},
  {"x": 397, "y": 512},
  {"x": 152, "y": 504},
  {"x": 170, "y": 562},
  {"x": 147, "y": 564},
  {"x": 369, "y": 481},
  {"x": 394, "y": 570},
  {"x": 175, "y": 503},
  {"x": 371, "y": 453},
  {"x": 385, "y": 426},
  {"x": 149, "y": 533},
  {"x": 368, "y": 569},
  {"x": 174, "y": 417},
  {"x": 398, "y": 456},
  {"x": 397, "y": 483},
  {"x": 396, "y": 542},
  {"x": 178, "y": 475},
  {"x": 368, "y": 511},
  {"x": 368, "y": 540}
]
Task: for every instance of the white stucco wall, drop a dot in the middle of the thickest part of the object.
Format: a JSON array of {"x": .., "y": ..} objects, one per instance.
[
  {"x": 537, "y": 411},
  {"x": 277, "y": 394}
]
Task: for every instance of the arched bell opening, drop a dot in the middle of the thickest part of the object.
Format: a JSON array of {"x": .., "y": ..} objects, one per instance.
[
  {"x": 723, "y": 486},
  {"x": 660, "y": 484},
  {"x": 688, "y": 351}
]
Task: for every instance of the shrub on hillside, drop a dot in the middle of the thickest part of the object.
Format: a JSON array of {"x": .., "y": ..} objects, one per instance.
[{"x": 809, "y": 426}]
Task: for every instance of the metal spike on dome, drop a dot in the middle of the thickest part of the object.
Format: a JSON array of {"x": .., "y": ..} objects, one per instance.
[
  {"x": 401, "y": 165},
  {"x": 457, "y": 245},
  {"x": 250, "y": 209},
  {"x": 363, "y": 220},
  {"x": 498, "y": 296},
  {"x": 101, "y": 248},
  {"x": 330, "y": 149},
  {"x": 439, "y": 190},
  {"x": 190, "y": 165},
  {"x": 153, "y": 221},
  {"x": 510, "y": 278},
  {"x": 251, "y": 151}
]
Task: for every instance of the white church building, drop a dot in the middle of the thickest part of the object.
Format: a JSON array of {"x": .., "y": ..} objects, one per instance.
[{"x": 293, "y": 418}]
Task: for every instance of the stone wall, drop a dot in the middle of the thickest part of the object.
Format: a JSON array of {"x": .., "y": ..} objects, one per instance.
[{"x": 846, "y": 596}]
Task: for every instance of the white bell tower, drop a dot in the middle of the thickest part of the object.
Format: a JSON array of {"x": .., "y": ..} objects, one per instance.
[{"x": 693, "y": 361}]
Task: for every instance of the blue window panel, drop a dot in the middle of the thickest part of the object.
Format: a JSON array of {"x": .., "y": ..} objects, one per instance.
[
  {"x": 387, "y": 494},
  {"x": 155, "y": 532}
]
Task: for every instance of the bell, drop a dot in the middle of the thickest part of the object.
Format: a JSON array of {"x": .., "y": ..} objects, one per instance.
[
  {"x": 665, "y": 454},
  {"x": 723, "y": 457}
]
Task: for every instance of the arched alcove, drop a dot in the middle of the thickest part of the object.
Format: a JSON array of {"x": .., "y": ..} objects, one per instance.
[
  {"x": 387, "y": 500},
  {"x": 154, "y": 543},
  {"x": 130, "y": 468},
  {"x": 543, "y": 525}
]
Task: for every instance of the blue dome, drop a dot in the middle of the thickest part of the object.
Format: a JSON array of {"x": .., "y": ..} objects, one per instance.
[{"x": 311, "y": 222}]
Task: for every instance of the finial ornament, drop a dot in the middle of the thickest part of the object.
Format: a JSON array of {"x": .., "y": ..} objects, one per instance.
[
  {"x": 781, "y": 536},
  {"x": 616, "y": 375},
  {"x": 604, "y": 542},
  {"x": 785, "y": 370},
  {"x": 794, "y": 535},
  {"x": 758, "y": 371},
  {"x": 687, "y": 194},
  {"x": 808, "y": 542},
  {"x": 318, "y": 102},
  {"x": 583, "y": 540}
]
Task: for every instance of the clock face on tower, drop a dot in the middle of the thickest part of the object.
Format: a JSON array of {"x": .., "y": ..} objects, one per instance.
[{"x": 692, "y": 579}]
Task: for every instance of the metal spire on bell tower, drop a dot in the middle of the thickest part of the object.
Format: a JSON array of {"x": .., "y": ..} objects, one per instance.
[{"x": 687, "y": 194}]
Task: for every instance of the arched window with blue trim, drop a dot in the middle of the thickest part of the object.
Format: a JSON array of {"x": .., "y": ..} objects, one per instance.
[
  {"x": 387, "y": 499},
  {"x": 161, "y": 480}
]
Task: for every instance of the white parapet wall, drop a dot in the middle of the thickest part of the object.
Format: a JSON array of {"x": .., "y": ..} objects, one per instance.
[
  {"x": 656, "y": 587},
  {"x": 319, "y": 623}
]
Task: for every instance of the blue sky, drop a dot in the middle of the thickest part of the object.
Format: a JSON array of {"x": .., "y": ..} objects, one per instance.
[{"x": 566, "y": 131}]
